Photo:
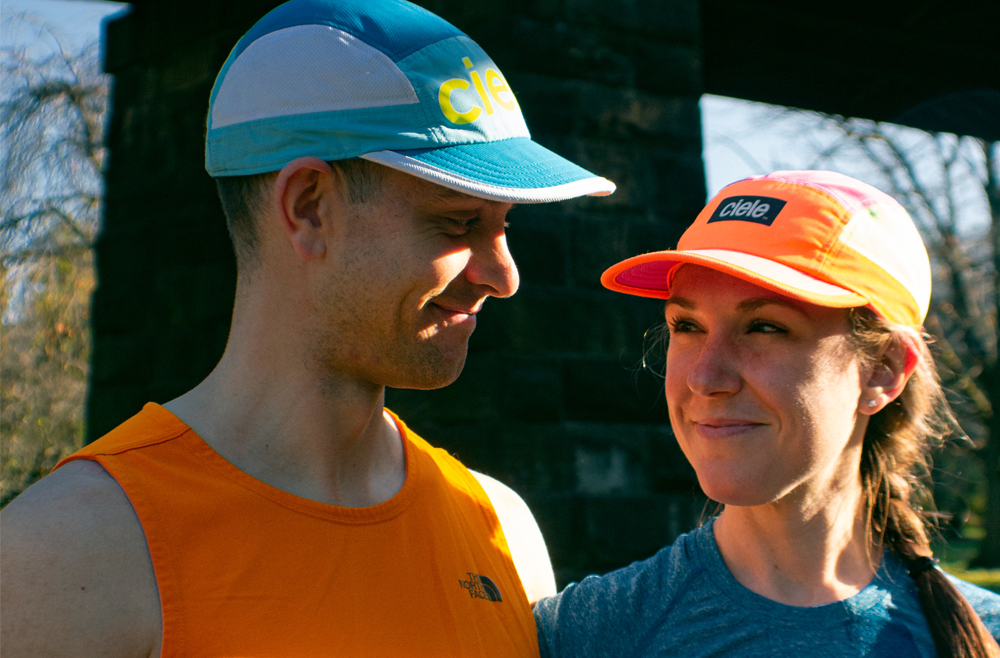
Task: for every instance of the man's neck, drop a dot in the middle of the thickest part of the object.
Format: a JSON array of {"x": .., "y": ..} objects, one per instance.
[{"x": 308, "y": 434}]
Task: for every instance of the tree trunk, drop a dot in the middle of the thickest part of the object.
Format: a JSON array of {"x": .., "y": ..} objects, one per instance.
[{"x": 989, "y": 550}]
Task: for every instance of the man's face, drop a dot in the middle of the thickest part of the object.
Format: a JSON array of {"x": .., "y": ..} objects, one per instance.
[{"x": 404, "y": 281}]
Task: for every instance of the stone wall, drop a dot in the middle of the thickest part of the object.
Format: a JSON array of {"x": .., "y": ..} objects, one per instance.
[{"x": 553, "y": 400}]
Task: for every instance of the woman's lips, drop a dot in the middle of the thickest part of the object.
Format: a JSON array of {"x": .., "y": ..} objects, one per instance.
[{"x": 725, "y": 428}]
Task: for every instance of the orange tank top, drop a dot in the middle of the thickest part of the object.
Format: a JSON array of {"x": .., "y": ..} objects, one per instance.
[{"x": 245, "y": 569}]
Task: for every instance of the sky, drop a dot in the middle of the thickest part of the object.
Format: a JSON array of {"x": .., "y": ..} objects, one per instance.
[{"x": 77, "y": 21}]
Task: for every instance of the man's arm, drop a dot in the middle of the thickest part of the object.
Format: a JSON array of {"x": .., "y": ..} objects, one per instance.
[
  {"x": 527, "y": 546},
  {"x": 77, "y": 579}
]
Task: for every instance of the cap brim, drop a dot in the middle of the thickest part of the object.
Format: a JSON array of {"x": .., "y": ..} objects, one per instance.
[
  {"x": 650, "y": 275},
  {"x": 514, "y": 170}
]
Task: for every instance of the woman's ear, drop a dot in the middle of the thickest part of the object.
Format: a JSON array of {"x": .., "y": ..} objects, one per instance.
[
  {"x": 889, "y": 375},
  {"x": 299, "y": 193}
]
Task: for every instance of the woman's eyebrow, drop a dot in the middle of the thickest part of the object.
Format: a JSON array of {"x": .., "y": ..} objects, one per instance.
[
  {"x": 683, "y": 302},
  {"x": 754, "y": 303}
]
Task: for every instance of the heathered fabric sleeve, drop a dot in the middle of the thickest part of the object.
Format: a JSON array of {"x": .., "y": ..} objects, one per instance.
[
  {"x": 984, "y": 602},
  {"x": 611, "y": 615}
]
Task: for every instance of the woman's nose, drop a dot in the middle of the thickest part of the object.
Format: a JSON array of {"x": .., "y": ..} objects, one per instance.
[{"x": 715, "y": 370}]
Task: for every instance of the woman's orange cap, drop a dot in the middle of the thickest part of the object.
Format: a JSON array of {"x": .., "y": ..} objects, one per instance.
[{"x": 817, "y": 236}]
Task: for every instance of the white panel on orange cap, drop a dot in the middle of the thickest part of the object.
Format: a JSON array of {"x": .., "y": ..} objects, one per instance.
[
  {"x": 885, "y": 235},
  {"x": 304, "y": 69}
]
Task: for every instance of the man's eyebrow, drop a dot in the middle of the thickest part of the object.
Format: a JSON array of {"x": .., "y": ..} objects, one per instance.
[
  {"x": 442, "y": 193},
  {"x": 445, "y": 194}
]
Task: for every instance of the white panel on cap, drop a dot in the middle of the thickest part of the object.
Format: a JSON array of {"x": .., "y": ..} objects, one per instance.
[
  {"x": 772, "y": 270},
  {"x": 308, "y": 68},
  {"x": 885, "y": 235}
]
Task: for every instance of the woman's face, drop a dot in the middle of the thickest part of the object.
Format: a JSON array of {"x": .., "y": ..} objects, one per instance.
[{"x": 763, "y": 390}]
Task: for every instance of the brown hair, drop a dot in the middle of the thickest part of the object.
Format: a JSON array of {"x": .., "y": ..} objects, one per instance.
[
  {"x": 895, "y": 472},
  {"x": 243, "y": 199}
]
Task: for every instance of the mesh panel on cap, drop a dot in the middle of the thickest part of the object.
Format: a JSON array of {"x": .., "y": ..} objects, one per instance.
[{"x": 305, "y": 69}]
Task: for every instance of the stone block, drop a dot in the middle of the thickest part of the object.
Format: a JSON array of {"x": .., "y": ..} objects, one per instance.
[
  {"x": 185, "y": 238},
  {"x": 122, "y": 358},
  {"x": 123, "y": 250},
  {"x": 678, "y": 186},
  {"x": 118, "y": 43},
  {"x": 675, "y": 22},
  {"x": 606, "y": 390},
  {"x": 588, "y": 109},
  {"x": 109, "y": 405},
  {"x": 191, "y": 294},
  {"x": 549, "y": 321},
  {"x": 560, "y": 517},
  {"x": 492, "y": 387},
  {"x": 528, "y": 457},
  {"x": 599, "y": 54},
  {"x": 119, "y": 305},
  {"x": 601, "y": 240},
  {"x": 189, "y": 66},
  {"x": 538, "y": 239},
  {"x": 622, "y": 529},
  {"x": 184, "y": 358}
]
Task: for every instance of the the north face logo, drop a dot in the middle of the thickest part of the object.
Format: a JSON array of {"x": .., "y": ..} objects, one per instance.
[
  {"x": 481, "y": 587},
  {"x": 757, "y": 209}
]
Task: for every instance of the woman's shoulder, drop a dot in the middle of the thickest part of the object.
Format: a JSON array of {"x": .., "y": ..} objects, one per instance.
[
  {"x": 983, "y": 601},
  {"x": 609, "y": 612}
]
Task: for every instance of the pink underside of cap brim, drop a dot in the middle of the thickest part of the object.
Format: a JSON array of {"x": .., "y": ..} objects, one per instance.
[{"x": 650, "y": 275}]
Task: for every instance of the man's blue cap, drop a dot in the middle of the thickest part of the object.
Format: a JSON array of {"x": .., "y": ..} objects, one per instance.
[{"x": 386, "y": 81}]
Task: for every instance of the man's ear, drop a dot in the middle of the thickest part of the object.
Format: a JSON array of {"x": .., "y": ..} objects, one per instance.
[
  {"x": 299, "y": 193},
  {"x": 889, "y": 375}
]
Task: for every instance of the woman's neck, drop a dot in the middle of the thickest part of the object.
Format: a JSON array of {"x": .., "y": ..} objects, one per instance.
[{"x": 800, "y": 552}]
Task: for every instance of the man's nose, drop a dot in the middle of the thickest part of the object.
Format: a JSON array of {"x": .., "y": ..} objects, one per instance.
[{"x": 492, "y": 266}]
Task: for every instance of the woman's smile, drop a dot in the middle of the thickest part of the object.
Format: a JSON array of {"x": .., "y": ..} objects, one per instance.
[{"x": 727, "y": 428}]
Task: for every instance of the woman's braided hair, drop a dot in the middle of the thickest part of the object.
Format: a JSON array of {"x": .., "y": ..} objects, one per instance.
[{"x": 895, "y": 473}]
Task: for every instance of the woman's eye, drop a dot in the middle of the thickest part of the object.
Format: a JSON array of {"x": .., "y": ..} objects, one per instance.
[
  {"x": 763, "y": 327},
  {"x": 681, "y": 326}
]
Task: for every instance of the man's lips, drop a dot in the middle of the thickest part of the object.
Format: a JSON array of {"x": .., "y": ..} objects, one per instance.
[
  {"x": 722, "y": 428},
  {"x": 456, "y": 313}
]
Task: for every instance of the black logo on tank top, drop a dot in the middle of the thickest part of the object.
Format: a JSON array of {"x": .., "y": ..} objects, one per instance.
[{"x": 481, "y": 587}]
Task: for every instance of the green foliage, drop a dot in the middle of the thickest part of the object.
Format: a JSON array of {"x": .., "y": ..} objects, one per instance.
[
  {"x": 43, "y": 356},
  {"x": 52, "y": 115}
]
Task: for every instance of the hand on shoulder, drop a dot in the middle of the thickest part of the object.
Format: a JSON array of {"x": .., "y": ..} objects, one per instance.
[{"x": 77, "y": 576}]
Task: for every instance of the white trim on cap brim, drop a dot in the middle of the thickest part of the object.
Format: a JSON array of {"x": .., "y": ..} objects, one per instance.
[
  {"x": 595, "y": 186},
  {"x": 755, "y": 269},
  {"x": 773, "y": 271}
]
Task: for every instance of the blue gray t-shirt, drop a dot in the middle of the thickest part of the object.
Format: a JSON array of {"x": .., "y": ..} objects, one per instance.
[{"x": 683, "y": 601}]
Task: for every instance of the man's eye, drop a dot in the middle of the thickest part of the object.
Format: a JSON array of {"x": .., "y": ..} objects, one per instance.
[{"x": 458, "y": 226}]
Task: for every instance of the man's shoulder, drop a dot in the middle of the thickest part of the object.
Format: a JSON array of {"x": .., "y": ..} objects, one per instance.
[
  {"x": 76, "y": 569},
  {"x": 152, "y": 425},
  {"x": 524, "y": 538}
]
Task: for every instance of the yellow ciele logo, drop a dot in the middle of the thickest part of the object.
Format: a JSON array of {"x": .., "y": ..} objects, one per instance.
[{"x": 494, "y": 83}]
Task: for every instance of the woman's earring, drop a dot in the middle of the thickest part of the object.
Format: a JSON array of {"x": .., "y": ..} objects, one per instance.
[{"x": 871, "y": 404}]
